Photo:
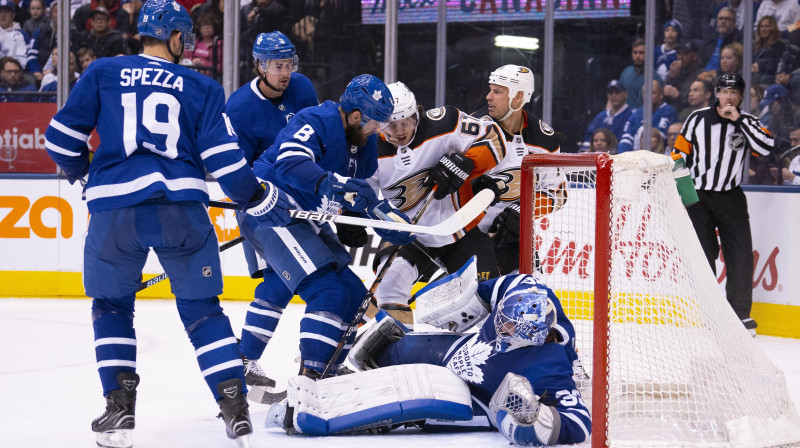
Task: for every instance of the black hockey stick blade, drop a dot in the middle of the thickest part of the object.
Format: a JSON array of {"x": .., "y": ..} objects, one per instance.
[{"x": 264, "y": 395}]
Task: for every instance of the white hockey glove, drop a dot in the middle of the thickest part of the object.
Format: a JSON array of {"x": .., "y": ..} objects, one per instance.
[
  {"x": 272, "y": 208},
  {"x": 518, "y": 414},
  {"x": 452, "y": 302}
]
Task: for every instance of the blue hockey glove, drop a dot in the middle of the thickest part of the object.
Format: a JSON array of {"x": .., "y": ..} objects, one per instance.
[
  {"x": 272, "y": 208},
  {"x": 386, "y": 212},
  {"x": 354, "y": 194}
]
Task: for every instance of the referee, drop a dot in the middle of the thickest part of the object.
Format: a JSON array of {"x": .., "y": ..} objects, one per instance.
[{"x": 714, "y": 142}]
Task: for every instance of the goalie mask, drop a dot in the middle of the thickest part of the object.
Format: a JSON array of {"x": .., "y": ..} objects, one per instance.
[
  {"x": 523, "y": 318},
  {"x": 515, "y": 78}
]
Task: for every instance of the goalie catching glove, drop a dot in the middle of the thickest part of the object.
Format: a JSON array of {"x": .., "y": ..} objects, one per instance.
[
  {"x": 449, "y": 174},
  {"x": 272, "y": 207},
  {"x": 518, "y": 414}
]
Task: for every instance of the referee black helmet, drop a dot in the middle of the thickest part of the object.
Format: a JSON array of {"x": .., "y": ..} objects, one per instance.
[{"x": 730, "y": 81}]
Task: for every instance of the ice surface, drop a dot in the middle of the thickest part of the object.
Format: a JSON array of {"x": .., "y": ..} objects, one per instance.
[{"x": 50, "y": 390}]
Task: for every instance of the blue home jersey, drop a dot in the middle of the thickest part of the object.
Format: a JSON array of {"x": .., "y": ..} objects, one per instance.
[
  {"x": 664, "y": 116},
  {"x": 257, "y": 120},
  {"x": 615, "y": 123},
  {"x": 161, "y": 126},
  {"x": 312, "y": 144}
]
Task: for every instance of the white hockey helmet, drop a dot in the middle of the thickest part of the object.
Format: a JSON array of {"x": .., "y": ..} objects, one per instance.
[
  {"x": 405, "y": 104},
  {"x": 517, "y": 79}
]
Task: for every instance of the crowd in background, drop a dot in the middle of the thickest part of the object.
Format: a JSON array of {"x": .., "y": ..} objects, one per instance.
[{"x": 699, "y": 41}]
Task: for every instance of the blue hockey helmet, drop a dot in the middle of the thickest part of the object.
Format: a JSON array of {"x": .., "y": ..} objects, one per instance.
[
  {"x": 159, "y": 18},
  {"x": 274, "y": 45},
  {"x": 523, "y": 318},
  {"x": 369, "y": 95}
]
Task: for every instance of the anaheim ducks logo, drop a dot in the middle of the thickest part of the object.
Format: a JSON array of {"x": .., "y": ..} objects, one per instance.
[
  {"x": 409, "y": 190},
  {"x": 512, "y": 178}
]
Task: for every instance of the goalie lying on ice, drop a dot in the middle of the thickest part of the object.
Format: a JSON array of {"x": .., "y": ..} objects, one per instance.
[{"x": 516, "y": 371}]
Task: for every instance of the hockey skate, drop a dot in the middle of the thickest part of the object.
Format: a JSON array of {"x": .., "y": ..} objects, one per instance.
[
  {"x": 114, "y": 429},
  {"x": 261, "y": 387},
  {"x": 234, "y": 411}
]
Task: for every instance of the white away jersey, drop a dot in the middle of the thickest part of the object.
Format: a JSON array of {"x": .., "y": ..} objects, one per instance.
[{"x": 402, "y": 170}]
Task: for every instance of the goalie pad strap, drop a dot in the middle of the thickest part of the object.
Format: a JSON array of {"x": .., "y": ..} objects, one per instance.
[
  {"x": 452, "y": 302},
  {"x": 376, "y": 398}
]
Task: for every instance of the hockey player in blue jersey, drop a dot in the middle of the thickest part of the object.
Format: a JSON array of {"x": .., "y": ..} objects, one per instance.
[
  {"x": 258, "y": 111},
  {"x": 162, "y": 126},
  {"x": 321, "y": 159},
  {"x": 518, "y": 368}
]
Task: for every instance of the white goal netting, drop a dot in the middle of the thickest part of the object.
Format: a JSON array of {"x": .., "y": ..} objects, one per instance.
[{"x": 681, "y": 368}]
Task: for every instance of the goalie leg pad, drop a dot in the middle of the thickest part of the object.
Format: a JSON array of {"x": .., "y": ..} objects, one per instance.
[
  {"x": 452, "y": 302},
  {"x": 395, "y": 288},
  {"x": 377, "y": 398}
]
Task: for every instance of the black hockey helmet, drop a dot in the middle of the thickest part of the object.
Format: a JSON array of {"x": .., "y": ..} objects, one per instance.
[{"x": 730, "y": 81}]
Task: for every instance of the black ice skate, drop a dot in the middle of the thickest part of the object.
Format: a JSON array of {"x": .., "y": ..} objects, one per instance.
[
  {"x": 234, "y": 411},
  {"x": 114, "y": 428}
]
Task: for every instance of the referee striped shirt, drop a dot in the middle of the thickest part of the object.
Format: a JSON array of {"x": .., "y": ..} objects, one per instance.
[{"x": 715, "y": 147}]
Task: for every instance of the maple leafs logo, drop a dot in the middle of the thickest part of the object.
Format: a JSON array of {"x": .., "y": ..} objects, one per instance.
[
  {"x": 376, "y": 95},
  {"x": 468, "y": 359}
]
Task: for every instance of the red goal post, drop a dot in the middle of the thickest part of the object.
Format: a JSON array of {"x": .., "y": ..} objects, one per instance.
[{"x": 678, "y": 368}]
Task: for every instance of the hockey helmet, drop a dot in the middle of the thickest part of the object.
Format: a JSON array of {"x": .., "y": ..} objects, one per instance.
[
  {"x": 731, "y": 81},
  {"x": 517, "y": 79},
  {"x": 405, "y": 104},
  {"x": 371, "y": 97},
  {"x": 523, "y": 318},
  {"x": 274, "y": 45},
  {"x": 159, "y": 18}
]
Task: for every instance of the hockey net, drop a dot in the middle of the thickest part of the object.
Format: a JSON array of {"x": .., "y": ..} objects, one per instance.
[{"x": 665, "y": 360}]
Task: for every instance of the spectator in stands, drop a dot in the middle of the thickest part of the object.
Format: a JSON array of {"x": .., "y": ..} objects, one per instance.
[
  {"x": 682, "y": 73},
  {"x": 613, "y": 118},
  {"x": 103, "y": 40},
  {"x": 756, "y": 95},
  {"x": 725, "y": 34},
  {"x": 633, "y": 75},
  {"x": 86, "y": 56},
  {"x": 782, "y": 116},
  {"x": 768, "y": 48},
  {"x": 785, "y": 12},
  {"x": 736, "y": 6},
  {"x": 17, "y": 43},
  {"x": 214, "y": 8},
  {"x": 791, "y": 160},
  {"x": 50, "y": 83},
  {"x": 21, "y": 11},
  {"x": 694, "y": 16},
  {"x": 663, "y": 116},
  {"x": 656, "y": 141},
  {"x": 665, "y": 53},
  {"x": 38, "y": 17},
  {"x": 730, "y": 61},
  {"x": 207, "y": 54},
  {"x": 118, "y": 18},
  {"x": 603, "y": 140},
  {"x": 13, "y": 81},
  {"x": 673, "y": 131},
  {"x": 700, "y": 94}
]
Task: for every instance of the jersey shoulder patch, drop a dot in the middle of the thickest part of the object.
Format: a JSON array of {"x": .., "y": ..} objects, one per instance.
[
  {"x": 437, "y": 114},
  {"x": 546, "y": 129}
]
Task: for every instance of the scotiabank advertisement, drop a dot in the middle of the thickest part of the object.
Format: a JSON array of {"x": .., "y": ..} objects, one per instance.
[
  {"x": 22, "y": 137},
  {"x": 43, "y": 223}
]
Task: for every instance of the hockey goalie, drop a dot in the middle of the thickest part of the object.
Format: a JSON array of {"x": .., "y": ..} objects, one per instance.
[{"x": 513, "y": 375}]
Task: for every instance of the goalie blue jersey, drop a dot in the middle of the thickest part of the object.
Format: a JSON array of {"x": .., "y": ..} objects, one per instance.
[
  {"x": 475, "y": 359},
  {"x": 312, "y": 144},
  {"x": 173, "y": 130},
  {"x": 257, "y": 120}
]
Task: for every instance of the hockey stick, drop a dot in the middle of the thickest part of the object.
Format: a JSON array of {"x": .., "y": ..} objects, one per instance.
[
  {"x": 371, "y": 293},
  {"x": 449, "y": 226},
  {"x": 161, "y": 277}
]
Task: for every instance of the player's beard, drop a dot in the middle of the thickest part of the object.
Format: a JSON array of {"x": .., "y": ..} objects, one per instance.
[
  {"x": 281, "y": 87},
  {"x": 356, "y": 135}
]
